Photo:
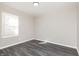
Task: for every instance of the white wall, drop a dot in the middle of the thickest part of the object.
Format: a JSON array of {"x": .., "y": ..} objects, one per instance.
[
  {"x": 59, "y": 26},
  {"x": 78, "y": 26},
  {"x": 25, "y": 27}
]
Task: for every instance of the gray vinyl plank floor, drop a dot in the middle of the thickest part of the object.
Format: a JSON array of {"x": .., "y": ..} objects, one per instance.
[{"x": 34, "y": 48}]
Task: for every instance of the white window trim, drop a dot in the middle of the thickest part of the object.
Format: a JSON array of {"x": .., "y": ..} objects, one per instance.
[{"x": 8, "y": 36}]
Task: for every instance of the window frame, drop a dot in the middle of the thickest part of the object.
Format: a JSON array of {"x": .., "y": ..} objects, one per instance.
[{"x": 3, "y": 35}]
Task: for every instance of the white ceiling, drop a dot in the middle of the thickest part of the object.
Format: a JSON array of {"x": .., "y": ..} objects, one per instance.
[{"x": 43, "y": 8}]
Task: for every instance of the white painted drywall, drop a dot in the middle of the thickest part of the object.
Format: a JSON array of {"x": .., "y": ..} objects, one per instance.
[
  {"x": 78, "y": 26},
  {"x": 59, "y": 26},
  {"x": 25, "y": 27}
]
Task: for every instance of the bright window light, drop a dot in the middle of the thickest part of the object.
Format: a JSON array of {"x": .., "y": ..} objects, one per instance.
[
  {"x": 35, "y": 3},
  {"x": 10, "y": 25}
]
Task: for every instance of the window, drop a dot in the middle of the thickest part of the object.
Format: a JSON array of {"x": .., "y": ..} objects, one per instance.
[{"x": 10, "y": 25}]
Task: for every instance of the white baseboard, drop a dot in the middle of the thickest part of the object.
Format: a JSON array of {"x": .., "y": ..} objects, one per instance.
[
  {"x": 14, "y": 44},
  {"x": 78, "y": 51},
  {"x": 37, "y": 39},
  {"x": 58, "y": 44}
]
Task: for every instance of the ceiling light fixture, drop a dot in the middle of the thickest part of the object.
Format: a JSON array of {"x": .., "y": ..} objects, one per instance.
[{"x": 36, "y": 3}]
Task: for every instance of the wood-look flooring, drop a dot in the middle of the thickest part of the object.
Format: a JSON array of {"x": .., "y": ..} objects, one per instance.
[{"x": 34, "y": 48}]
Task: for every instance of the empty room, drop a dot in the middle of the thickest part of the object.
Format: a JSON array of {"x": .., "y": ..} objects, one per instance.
[{"x": 39, "y": 28}]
